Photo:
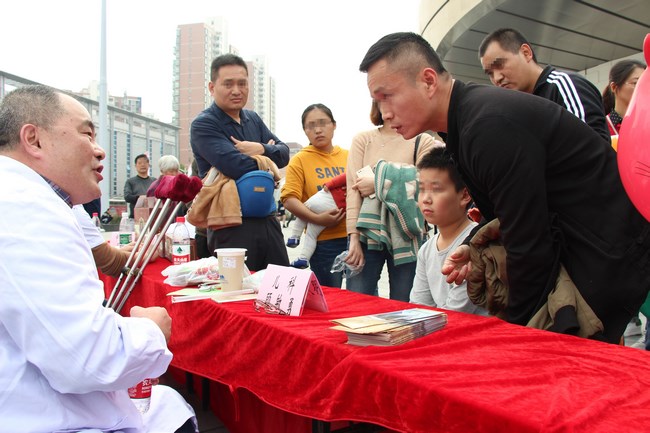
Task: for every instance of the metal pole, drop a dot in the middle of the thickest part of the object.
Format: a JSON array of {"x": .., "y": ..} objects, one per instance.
[{"x": 103, "y": 114}]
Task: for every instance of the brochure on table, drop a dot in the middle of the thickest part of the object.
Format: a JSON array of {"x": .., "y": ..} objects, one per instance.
[
  {"x": 191, "y": 294},
  {"x": 290, "y": 289},
  {"x": 382, "y": 322}
]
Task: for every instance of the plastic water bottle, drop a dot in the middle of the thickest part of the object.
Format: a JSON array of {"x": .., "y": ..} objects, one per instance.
[
  {"x": 97, "y": 222},
  {"x": 140, "y": 395},
  {"x": 180, "y": 242},
  {"x": 126, "y": 229},
  {"x": 124, "y": 222}
]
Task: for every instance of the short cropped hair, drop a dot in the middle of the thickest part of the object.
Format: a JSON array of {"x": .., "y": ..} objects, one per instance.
[
  {"x": 33, "y": 104},
  {"x": 142, "y": 155},
  {"x": 168, "y": 162},
  {"x": 403, "y": 48},
  {"x": 225, "y": 60},
  {"x": 440, "y": 158},
  {"x": 508, "y": 39}
]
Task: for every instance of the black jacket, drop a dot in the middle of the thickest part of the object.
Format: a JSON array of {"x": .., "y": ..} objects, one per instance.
[
  {"x": 575, "y": 93},
  {"x": 554, "y": 185}
]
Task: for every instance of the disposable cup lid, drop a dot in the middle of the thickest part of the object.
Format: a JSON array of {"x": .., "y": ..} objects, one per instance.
[{"x": 230, "y": 251}]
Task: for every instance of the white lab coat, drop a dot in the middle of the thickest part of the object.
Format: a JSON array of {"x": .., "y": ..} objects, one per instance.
[
  {"x": 92, "y": 235},
  {"x": 65, "y": 361}
]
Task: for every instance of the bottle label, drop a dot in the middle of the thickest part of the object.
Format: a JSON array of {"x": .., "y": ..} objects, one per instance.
[
  {"x": 140, "y": 395},
  {"x": 125, "y": 238},
  {"x": 180, "y": 253}
]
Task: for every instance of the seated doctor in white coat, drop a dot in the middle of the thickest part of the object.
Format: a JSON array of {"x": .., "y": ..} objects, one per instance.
[{"x": 66, "y": 361}]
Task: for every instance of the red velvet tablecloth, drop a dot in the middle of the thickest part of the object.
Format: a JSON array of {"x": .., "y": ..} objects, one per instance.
[{"x": 475, "y": 375}]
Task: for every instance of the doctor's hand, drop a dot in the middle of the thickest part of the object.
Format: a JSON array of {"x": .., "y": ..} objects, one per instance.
[
  {"x": 250, "y": 148},
  {"x": 365, "y": 186},
  {"x": 457, "y": 265},
  {"x": 159, "y": 316}
]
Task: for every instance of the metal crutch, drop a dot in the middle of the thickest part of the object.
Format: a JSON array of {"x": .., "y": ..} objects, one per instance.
[
  {"x": 132, "y": 255},
  {"x": 150, "y": 252},
  {"x": 172, "y": 188},
  {"x": 135, "y": 263}
]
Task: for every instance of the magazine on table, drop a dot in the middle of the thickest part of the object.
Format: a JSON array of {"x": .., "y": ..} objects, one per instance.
[{"x": 387, "y": 329}]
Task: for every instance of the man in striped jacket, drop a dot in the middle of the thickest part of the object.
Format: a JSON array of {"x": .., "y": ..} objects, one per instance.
[{"x": 510, "y": 62}]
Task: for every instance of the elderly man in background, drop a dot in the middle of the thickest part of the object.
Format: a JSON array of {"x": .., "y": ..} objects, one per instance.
[
  {"x": 169, "y": 166},
  {"x": 67, "y": 361}
]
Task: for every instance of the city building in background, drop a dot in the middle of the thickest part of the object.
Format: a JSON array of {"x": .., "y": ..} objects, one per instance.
[
  {"x": 197, "y": 45},
  {"x": 262, "y": 90},
  {"x": 129, "y": 132},
  {"x": 132, "y": 104}
]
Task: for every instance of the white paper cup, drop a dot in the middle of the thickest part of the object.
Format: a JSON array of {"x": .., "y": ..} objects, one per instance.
[{"x": 231, "y": 268}]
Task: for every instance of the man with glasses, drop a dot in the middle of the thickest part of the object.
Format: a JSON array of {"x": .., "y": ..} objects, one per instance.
[
  {"x": 227, "y": 136},
  {"x": 510, "y": 62}
]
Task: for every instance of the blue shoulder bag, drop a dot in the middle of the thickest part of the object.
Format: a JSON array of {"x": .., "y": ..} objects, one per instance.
[{"x": 255, "y": 190}]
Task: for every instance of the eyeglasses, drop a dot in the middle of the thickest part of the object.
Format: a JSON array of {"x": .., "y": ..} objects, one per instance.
[
  {"x": 261, "y": 306},
  {"x": 321, "y": 123}
]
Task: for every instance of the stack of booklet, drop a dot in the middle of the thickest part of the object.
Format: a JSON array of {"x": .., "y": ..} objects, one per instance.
[{"x": 389, "y": 329}]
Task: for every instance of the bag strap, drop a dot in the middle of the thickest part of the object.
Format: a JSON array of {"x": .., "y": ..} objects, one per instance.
[
  {"x": 415, "y": 150},
  {"x": 611, "y": 125},
  {"x": 425, "y": 233}
]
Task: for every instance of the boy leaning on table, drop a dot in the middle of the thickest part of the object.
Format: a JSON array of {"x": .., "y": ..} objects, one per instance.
[{"x": 443, "y": 199}]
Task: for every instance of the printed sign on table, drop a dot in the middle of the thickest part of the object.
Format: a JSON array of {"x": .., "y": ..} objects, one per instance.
[{"x": 289, "y": 290}]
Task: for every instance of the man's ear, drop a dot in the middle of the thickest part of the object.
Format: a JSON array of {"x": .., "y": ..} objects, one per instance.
[
  {"x": 30, "y": 139},
  {"x": 430, "y": 79},
  {"x": 526, "y": 51}
]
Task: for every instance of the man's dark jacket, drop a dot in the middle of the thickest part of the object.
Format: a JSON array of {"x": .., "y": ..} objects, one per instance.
[
  {"x": 557, "y": 193},
  {"x": 575, "y": 93}
]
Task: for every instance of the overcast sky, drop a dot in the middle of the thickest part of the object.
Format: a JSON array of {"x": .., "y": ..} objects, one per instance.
[{"x": 314, "y": 49}]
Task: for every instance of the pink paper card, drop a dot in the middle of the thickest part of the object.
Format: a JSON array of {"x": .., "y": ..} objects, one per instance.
[{"x": 289, "y": 290}]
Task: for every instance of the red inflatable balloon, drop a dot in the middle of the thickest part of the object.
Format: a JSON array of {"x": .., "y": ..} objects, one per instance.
[{"x": 634, "y": 142}]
